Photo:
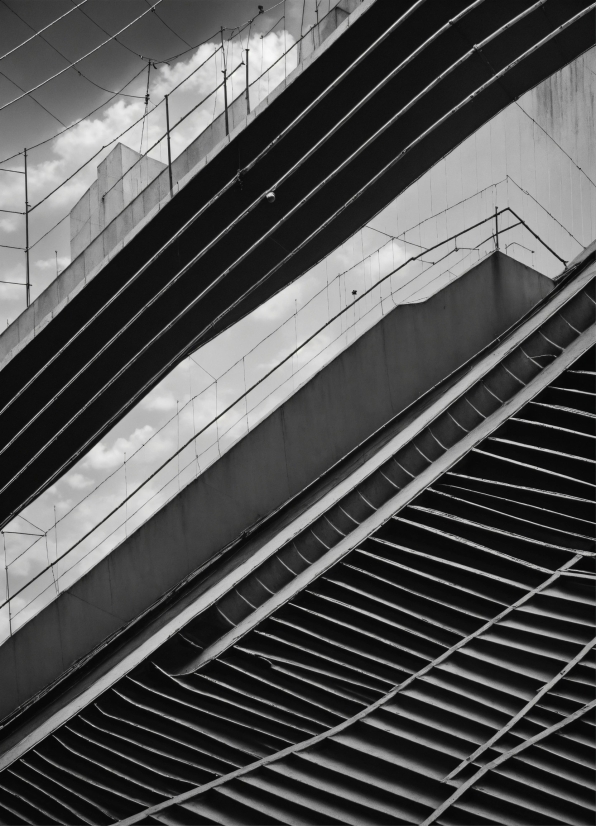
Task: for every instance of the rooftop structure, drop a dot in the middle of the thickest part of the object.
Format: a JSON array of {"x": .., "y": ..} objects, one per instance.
[
  {"x": 121, "y": 177},
  {"x": 378, "y": 606}
]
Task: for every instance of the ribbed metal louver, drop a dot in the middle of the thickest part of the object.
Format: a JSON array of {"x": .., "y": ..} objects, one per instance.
[
  {"x": 489, "y": 534},
  {"x": 511, "y": 524}
]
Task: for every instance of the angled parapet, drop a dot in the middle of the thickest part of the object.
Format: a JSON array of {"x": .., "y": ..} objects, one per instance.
[{"x": 386, "y": 370}]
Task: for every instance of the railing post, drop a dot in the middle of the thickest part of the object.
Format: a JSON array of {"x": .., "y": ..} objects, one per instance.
[
  {"x": 496, "y": 228},
  {"x": 247, "y": 93},
  {"x": 225, "y": 84},
  {"x": 27, "y": 274},
  {"x": 168, "y": 142}
]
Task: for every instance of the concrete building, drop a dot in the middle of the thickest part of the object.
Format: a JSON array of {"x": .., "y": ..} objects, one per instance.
[
  {"x": 378, "y": 606},
  {"x": 121, "y": 177}
]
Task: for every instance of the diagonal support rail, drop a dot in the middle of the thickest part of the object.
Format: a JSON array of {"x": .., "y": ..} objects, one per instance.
[
  {"x": 503, "y": 757},
  {"x": 523, "y": 711}
]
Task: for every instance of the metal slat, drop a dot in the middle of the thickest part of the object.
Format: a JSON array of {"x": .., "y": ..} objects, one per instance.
[
  {"x": 359, "y": 641},
  {"x": 60, "y": 805},
  {"x": 467, "y": 787},
  {"x": 410, "y": 705},
  {"x": 556, "y": 509},
  {"x": 495, "y": 810},
  {"x": 578, "y": 469},
  {"x": 545, "y": 803},
  {"x": 548, "y": 414},
  {"x": 526, "y": 431},
  {"x": 569, "y": 399},
  {"x": 209, "y": 743},
  {"x": 115, "y": 804},
  {"x": 551, "y": 761},
  {"x": 114, "y": 772},
  {"x": 450, "y": 550},
  {"x": 52, "y": 811},
  {"x": 219, "y": 808},
  {"x": 420, "y": 732},
  {"x": 349, "y": 614},
  {"x": 326, "y": 707},
  {"x": 376, "y": 768},
  {"x": 494, "y": 512},
  {"x": 510, "y": 548},
  {"x": 354, "y": 682},
  {"x": 475, "y": 579},
  {"x": 155, "y": 765},
  {"x": 370, "y": 671},
  {"x": 274, "y": 705},
  {"x": 232, "y": 709},
  {"x": 218, "y": 729},
  {"x": 418, "y": 592},
  {"x": 182, "y": 760},
  {"x": 341, "y": 779},
  {"x": 505, "y": 468},
  {"x": 17, "y": 810},
  {"x": 83, "y": 791},
  {"x": 177, "y": 734}
]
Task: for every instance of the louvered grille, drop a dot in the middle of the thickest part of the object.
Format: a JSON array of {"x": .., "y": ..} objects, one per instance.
[
  {"x": 492, "y": 530},
  {"x": 464, "y": 550}
]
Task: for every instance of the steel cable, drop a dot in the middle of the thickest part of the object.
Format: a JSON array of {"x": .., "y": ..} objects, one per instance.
[
  {"x": 38, "y": 33},
  {"x": 79, "y": 60}
]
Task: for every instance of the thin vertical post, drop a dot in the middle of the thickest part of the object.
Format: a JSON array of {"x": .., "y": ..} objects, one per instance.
[
  {"x": 56, "y": 579},
  {"x": 27, "y": 274},
  {"x": 496, "y": 228},
  {"x": 125, "y": 498},
  {"x": 7, "y": 586},
  {"x": 178, "y": 445},
  {"x": 225, "y": 83},
  {"x": 247, "y": 97},
  {"x": 168, "y": 141}
]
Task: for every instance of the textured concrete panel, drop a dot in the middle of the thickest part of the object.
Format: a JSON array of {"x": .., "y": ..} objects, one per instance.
[
  {"x": 406, "y": 353},
  {"x": 38, "y": 653}
]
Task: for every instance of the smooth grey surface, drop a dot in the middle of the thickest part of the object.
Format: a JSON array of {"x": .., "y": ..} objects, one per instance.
[{"x": 406, "y": 353}]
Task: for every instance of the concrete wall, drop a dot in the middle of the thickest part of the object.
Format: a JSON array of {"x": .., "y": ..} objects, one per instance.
[
  {"x": 95, "y": 243},
  {"x": 388, "y": 368}
]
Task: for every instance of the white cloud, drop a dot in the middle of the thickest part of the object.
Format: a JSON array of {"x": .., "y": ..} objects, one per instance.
[
  {"x": 50, "y": 263},
  {"x": 13, "y": 293},
  {"x": 103, "y": 457},
  {"x": 78, "y": 481},
  {"x": 160, "y": 401},
  {"x": 8, "y": 224}
]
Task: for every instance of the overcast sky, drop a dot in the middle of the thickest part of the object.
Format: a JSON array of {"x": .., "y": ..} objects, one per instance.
[{"x": 528, "y": 157}]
